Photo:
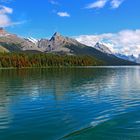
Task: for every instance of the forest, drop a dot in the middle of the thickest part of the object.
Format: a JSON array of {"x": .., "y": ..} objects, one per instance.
[{"x": 25, "y": 60}]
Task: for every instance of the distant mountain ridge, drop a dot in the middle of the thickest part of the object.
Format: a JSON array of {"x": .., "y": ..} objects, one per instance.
[
  {"x": 103, "y": 47},
  {"x": 129, "y": 57},
  {"x": 58, "y": 44}
]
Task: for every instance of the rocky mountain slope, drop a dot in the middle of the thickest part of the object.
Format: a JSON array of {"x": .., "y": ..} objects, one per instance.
[
  {"x": 58, "y": 44},
  {"x": 14, "y": 43}
]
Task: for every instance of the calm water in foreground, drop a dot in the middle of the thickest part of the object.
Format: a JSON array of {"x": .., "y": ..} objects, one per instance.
[{"x": 70, "y": 104}]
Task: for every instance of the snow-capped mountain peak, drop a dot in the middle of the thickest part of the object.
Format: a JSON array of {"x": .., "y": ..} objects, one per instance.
[
  {"x": 96, "y": 43},
  {"x": 103, "y": 48}
]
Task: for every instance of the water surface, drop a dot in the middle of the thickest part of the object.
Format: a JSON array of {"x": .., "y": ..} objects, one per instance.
[{"x": 70, "y": 104}]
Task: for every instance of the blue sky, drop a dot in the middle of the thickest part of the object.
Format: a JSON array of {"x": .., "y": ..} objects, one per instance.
[{"x": 41, "y": 18}]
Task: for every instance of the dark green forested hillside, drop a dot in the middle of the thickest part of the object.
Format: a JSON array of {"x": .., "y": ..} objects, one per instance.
[{"x": 21, "y": 60}]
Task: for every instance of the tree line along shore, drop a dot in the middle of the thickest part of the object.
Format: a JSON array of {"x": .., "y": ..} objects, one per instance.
[{"x": 23, "y": 60}]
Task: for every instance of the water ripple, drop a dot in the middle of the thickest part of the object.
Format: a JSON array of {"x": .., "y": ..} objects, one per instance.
[{"x": 84, "y": 103}]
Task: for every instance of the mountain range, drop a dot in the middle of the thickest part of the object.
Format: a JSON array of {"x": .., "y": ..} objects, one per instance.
[
  {"x": 105, "y": 46},
  {"x": 58, "y": 44}
]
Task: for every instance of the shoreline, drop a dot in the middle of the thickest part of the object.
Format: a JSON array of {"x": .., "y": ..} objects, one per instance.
[{"x": 106, "y": 66}]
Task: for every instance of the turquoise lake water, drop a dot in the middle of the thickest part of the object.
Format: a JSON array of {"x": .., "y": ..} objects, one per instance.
[{"x": 101, "y": 103}]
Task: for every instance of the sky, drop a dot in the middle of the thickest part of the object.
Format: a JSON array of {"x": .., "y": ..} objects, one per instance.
[{"x": 115, "y": 20}]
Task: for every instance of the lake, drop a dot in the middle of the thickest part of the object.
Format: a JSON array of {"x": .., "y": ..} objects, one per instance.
[{"x": 100, "y": 103}]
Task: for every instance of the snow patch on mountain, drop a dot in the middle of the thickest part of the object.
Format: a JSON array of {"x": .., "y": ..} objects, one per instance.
[{"x": 33, "y": 40}]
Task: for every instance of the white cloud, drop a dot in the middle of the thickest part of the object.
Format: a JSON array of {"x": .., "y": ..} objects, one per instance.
[
  {"x": 5, "y": 10},
  {"x": 5, "y": 20},
  {"x": 63, "y": 14},
  {"x": 126, "y": 41},
  {"x": 116, "y": 3},
  {"x": 97, "y": 4}
]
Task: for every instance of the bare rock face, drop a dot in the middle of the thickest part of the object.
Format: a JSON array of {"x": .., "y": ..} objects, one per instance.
[
  {"x": 43, "y": 45},
  {"x": 57, "y": 43}
]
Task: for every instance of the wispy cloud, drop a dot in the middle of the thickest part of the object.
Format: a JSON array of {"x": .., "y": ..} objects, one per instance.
[
  {"x": 116, "y": 3},
  {"x": 5, "y": 20},
  {"x": 63, "y": 14},
  {"x": 53, "y": 2},
  {"x": 97, "y": 4},
  {"x": 102, "y": 3},
  {"x": 125, "y": 42},
  {"x": 5, "y": 10}
]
